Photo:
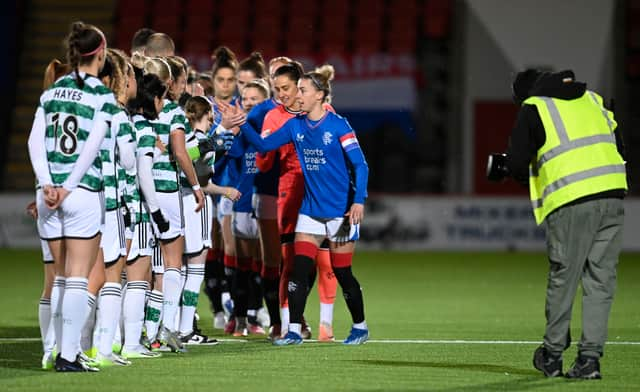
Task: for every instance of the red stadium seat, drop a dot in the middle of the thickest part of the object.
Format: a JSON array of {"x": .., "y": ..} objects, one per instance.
[
  {"x": 267, "y": 34},
  {"x": 166, "y": 8},
  {"x": 128, "y": 9},
  {"x": 404, "y": 7},
  {"x": 295, "y": 12},
  {"x": 368, "y": 9},
  {"x": 402, "y": 33},
  {"x": 125, "y": 30},
  {"x": 269, "y": 8},
  {"x": 199, "y": 7},
  {"x": 402, "y": 41},
  {"x": 437, "y": 18},
  {"x": 232, "y": 32},
  {"x": 298, "y": 46},
  {"x": 367, "y": 37},
  {"x": 232, "y": 9}
]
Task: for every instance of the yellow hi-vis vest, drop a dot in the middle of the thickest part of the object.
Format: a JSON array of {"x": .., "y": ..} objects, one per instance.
[{"x": 579, "y": 157}]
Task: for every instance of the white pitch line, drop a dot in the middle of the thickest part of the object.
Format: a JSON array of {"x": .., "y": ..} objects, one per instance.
[
  {"x": 387, "y": 341},
  {"x": 423, "y": 341}
]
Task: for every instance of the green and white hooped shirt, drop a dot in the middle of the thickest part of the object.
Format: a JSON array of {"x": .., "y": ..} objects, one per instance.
[
  {"x": 120, "y": 132},
  {"x": 165, "y": 169},
  {"x": 145, "y": 144},
  {"x": 70, "y": 112}
]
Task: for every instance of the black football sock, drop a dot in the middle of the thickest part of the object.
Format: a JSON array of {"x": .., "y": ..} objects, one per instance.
[
  {"x": 352, "y": 293},
  {"x": 298, "y": 288}
]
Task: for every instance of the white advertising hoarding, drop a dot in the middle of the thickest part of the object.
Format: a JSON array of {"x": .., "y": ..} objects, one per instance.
[{"x": 397, "y": 223}]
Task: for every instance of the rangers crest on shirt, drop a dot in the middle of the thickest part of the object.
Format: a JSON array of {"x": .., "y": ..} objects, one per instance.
[{"x": 327, "y": 138}]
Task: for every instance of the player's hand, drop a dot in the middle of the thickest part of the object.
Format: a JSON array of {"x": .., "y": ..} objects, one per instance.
[
  {"x": 32, "y": 210},
  {"x": 195, "y": 89},
  {"x": 50, "y": 196},
  {"x": 232, "y": 115},
  {"x": 62, "y": 194},
  {"x": 356, "y": 213},
  {"x": 160, "y": 146},
  {"x": 232, "y": 193},
  {"x": 161, "y": 222},
  {"x": 199, "y": 199}
]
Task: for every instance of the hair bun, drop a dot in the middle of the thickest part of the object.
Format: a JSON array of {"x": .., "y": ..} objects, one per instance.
[{"x": 327, "y": 71}]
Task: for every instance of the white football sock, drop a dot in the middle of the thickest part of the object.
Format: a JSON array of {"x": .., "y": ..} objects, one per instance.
[
  {"x": 153, "y": 314},
  {"x": 284, "y": 320},
  {"x": 86, "y": 336},
  {"x": 74, "y": 315},
  {"x": 326, "y": 313},
  {"x": 57, "y": 295},
  {"x": 44, "y": 319},
  {"x": 133, "y": 312},
  {"x": 109, "y": 316},
  {"x": 171, "y": 290},
  {"x": 295, "y": 327},
  {"x": 362, "y": 325},
  {"x": 195, "y": 276}
]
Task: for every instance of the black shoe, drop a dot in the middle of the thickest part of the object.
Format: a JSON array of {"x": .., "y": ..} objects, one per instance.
[
  {"x": 62, "y": 365},
  {"x": 547, "y": 363},
  {"x": 586, "y": 368}
]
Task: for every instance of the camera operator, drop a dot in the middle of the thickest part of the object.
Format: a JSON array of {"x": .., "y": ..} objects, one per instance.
[{"x": 566, "y": 146}]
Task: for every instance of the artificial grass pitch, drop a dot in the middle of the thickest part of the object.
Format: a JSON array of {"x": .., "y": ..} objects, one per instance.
[{"x": 438, "y": 322}]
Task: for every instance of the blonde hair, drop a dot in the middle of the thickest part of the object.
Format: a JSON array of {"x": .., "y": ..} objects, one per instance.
[
  {"x": 279, "y": 59},
  {"x": 138, "y": 59},
  {"x": 159, "y": 44},
  {"x": 159, "y": 67},
  {"x": 261, "y": 85},
  {"x": 119, "y": 75},
  {"x": 321, "y": 78}
]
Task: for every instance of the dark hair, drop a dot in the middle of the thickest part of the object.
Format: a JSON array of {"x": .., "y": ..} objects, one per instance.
[
  {"x": 196, "y": 107},
  {"x": 293, "y": 71},
  {"x": 255, "y": 64},
  {"x": 149, "y": 87},
  {"x": 224, "y": 58},
  {"x": 321, "y": 79},
  {"x": 82, "y": 44},
  {"x": 140, "y": 39},
  {"x": 107, "y": 69}
]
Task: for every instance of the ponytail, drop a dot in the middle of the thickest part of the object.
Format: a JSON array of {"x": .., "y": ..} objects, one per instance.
[{"x": 83, "y": 43}]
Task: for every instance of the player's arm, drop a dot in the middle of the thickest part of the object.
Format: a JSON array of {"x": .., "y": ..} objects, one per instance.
[
  {"x": 354, "y": 154},
  {"x": 126, "y": 147},
  {"x": 226, "y": 191},
  {"x": 271, "y": 142},
  {"x": 145, "y": 147},
  {"x": 37, "y": 149},
  {"x": 91, "y": 146},
  {"x": 179, "y": 149},
  {"x": 264, "y": 162}
]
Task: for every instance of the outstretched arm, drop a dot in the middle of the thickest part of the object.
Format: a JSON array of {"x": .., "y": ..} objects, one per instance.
[{"x": 271, "y": 142}]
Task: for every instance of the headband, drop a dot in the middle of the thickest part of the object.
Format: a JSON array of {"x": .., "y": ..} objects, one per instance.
[{"x": 96, "y": 50}]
